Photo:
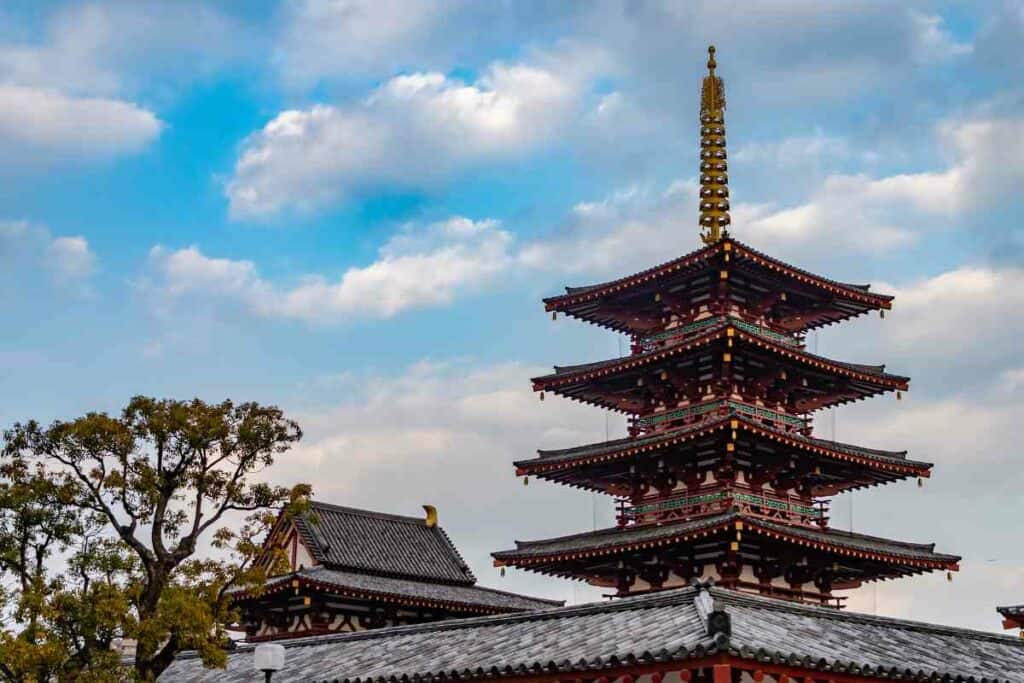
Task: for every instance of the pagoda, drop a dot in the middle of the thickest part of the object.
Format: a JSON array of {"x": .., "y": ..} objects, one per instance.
[
  {"x": 355, "y": 570},
  {"x": 721, "y": 476}
]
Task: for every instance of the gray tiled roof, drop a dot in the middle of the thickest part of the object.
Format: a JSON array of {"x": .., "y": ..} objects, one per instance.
[
  {"x": 622, "y": 536},
  {"x": 383, "y": 544},
  {"x": 609, "y": 447},
  {"x": 370, "y": 586},
  {"x": 668, "y": 266},
  {"x": 610, "y": 537},
  {"x": 667, "y": 627},
  {"x": 710, "y": 332}
]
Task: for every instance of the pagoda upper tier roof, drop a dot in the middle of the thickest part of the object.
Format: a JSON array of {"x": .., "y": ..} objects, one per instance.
[
  {"x": 564, "y": 465},
  {"x": 615, "y": 540},
  {"x": 385, "y": 589},
  {"x": 574, "y": 380},
  {"x": 830, "y": 300},
  {"x": 379, "y": 543}
]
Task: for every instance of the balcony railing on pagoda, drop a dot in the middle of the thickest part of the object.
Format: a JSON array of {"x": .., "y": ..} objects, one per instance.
[
  {"x": 716, "y": 499},
  {"x": 695, "y": 413},
  {"x": 682, "y": 332}
]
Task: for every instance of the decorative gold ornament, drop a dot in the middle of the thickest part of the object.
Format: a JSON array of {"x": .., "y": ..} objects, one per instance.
[{"x": 714, "y": 177}]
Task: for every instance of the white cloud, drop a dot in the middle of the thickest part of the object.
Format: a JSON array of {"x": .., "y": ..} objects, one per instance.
[
  {"x": 632, "y": 228},
  {"x": 446, "y": 433},
  {"x": 960, "y": 312},
  {"x": 859, "y": 214},
  {"x": 24, "y": 248},
  {"x": 70, "y": 88},
  {"x": 808, "y": 150},
  {"x": 968, "y": 602},
  {"x": 71, "y": 258},
  {"x": 322, "y": 38},
  {"x": 413, "y": 130},
  {"x": 123, "y": 46},
  {"x": 417, "y": 268},
  {"x": 932, "y": 41},
  {"x": 876, "y": 214},
  {"x": 50, "y": 122}
]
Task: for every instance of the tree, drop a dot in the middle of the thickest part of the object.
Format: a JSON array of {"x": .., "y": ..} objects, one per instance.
[{"x": 126, "y": 502}]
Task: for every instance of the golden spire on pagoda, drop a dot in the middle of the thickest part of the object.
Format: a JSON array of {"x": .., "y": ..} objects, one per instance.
[{"x": 714, "y": 179}]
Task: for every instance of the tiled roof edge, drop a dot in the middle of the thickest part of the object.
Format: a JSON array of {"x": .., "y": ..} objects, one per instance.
[
  {"x": 725, "y": 597},
  {"x": 676, "y": 596}
]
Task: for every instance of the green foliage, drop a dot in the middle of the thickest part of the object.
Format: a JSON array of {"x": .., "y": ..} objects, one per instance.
[{"x": 100, "y": 522}]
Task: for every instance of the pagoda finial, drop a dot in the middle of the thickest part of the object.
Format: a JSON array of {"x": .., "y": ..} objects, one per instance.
[{"x": 714, "y": 179}]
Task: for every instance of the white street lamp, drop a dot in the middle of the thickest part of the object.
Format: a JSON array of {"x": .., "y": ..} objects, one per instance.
[{"x": 268, "y": 658}]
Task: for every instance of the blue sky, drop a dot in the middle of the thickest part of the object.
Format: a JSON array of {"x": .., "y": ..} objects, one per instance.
[{"x": 351, "y": 209}]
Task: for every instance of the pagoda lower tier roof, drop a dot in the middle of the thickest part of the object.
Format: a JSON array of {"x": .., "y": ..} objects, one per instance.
[
  {"x": 570, "y": 465},
  {"x": 556, "y": 555},
  {"x": 405, "y": 592},
  {"x": 575, "y": 381},
  {"x": 839, "y": 300}
]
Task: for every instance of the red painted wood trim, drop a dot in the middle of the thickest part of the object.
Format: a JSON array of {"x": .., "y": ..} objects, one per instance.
[{"x": 686, "y": 670}]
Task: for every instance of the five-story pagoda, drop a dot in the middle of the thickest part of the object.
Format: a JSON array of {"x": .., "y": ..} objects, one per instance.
[{"x": 720, "y": 476}]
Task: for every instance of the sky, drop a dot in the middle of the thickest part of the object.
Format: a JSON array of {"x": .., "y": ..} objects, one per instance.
[{"x": 351, "y": 209}]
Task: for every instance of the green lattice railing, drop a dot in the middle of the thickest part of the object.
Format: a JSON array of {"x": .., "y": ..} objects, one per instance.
[
  {"x": 651, "y": 342},
  {"x": 713, "y": 406},
  {"x": 749, "y": 498}
]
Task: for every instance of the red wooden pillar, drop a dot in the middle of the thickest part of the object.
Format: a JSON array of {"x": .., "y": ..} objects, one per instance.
[{"x": 723, "y": 673}]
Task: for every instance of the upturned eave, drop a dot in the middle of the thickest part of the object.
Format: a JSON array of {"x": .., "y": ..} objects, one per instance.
[{"x": 860, "y": 299}]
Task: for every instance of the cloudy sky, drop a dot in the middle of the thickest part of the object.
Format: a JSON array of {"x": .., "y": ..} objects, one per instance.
[{"x": 352, "y": 209}]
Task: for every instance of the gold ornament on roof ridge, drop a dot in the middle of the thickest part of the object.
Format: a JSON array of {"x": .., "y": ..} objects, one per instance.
[{"x": 714, "y": 177}]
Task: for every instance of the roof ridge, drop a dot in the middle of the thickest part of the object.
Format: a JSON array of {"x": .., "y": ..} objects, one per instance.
[
  {"x": 710, "y": 335},
  {"x": 736, "y": 597},
  {"x": 362, "y": 512},
  {"x": 732, "y": 414},
  {"x": 706, "y": 251}
]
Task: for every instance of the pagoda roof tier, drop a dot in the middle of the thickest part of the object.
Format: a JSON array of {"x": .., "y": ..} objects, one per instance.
[
  {"x": 856, "y": 557},
  {"x": 613, "y": 383},
  {"x": 842, "y": 466},
  {"x": 631, "y": 303},
  {"x": 1013, "y": 616},
  {"x": 388, "y": 590}
]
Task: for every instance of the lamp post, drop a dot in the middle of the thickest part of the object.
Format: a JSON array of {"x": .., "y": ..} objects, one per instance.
[{"x": 268, "y": 658}]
